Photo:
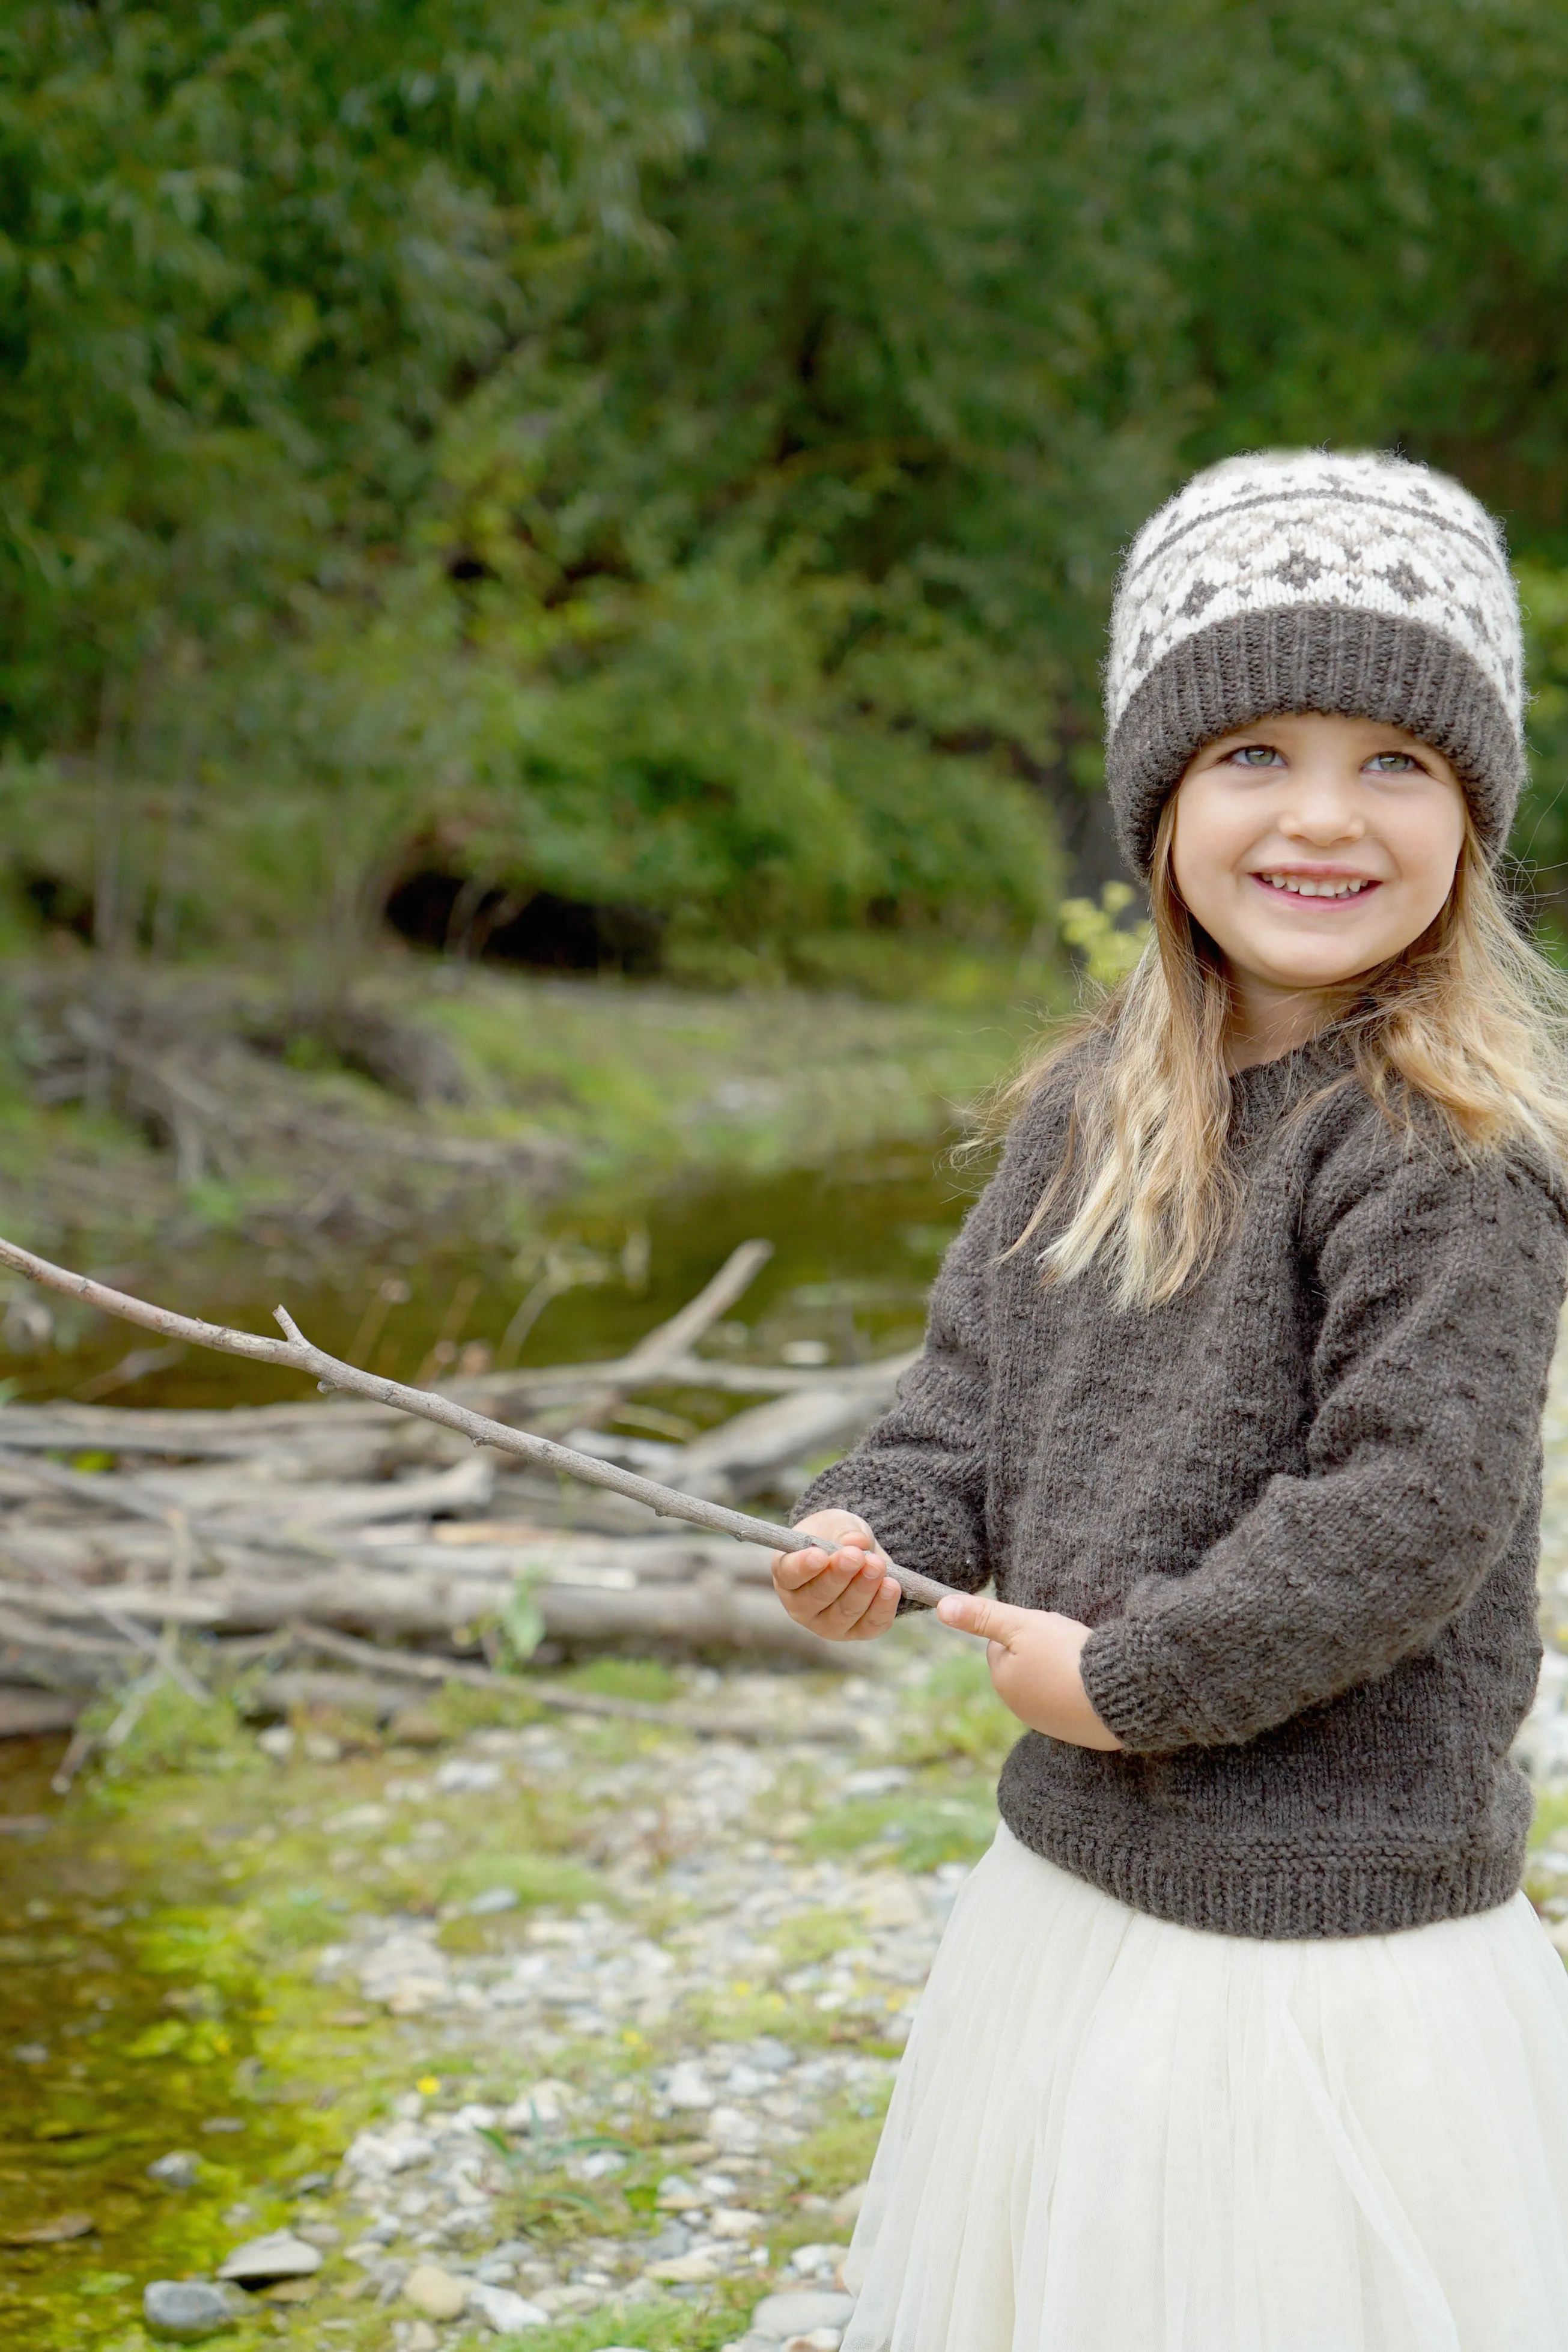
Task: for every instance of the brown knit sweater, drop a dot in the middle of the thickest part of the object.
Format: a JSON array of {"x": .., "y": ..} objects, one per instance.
[{"x": 1299, "y": 1505}]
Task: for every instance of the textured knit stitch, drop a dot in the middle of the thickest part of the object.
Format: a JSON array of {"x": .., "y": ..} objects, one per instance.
[
  {"x": 1298, "y": 1505},
  {"x": 1296, "y": 580}
]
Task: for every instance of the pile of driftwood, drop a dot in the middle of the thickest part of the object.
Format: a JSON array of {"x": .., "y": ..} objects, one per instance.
[{"x": 345, "y": 1539}]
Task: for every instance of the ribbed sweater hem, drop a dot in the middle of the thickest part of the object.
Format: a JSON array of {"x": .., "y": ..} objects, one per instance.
[{"x": 1284, "y": 1897}]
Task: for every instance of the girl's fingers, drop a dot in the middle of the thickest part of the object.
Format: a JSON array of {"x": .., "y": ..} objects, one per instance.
[
  {"x": 795, "y": 1571},
  {"x": 837, "y": 1596},
  {"x": 855, "y": 1610},
  {"x": 880, "y": 1614}
]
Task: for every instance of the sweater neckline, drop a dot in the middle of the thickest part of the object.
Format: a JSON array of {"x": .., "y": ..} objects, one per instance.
[{"x": 1320, "y": 1056}]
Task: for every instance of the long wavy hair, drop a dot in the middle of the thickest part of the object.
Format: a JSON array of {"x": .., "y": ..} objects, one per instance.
[{"x": 1471, "y": 1018}]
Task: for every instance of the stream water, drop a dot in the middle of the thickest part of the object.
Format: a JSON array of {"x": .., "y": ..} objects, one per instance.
[
  {"x": 856, "y": 1244},
  {"x": 129, "y": 2021}
]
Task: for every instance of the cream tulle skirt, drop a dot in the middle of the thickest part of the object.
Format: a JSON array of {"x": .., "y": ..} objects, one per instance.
[{"x": 1114, "y": 2135}]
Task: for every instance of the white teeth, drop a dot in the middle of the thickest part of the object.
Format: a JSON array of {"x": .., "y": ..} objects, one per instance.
[{"x": 1303, "y": 886}]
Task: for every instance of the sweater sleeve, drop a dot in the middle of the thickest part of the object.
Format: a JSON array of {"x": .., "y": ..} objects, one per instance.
[
  {"x": 1441, "y": 1287},
  {"x": 918, "y": 1478}
]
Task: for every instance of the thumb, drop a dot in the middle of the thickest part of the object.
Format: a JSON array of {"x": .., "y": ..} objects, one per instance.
[{"x": 977, "y": 1612}]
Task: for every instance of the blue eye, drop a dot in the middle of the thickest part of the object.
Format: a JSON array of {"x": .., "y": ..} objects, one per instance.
[{"x": 1255, "y": 755}]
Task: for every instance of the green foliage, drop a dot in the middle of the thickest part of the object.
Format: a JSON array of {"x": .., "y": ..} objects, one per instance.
[
  {"x": 638, "y": 1678},
  {"x": 154, "y": 1728},
  {"x": 956, "y": 1714},
  {"x": 1108, "y": 951},
  {"x": 1540, "y": 835},
  {"x": 533, "y": 1878},
  {"x": 679, "y": 459},
  {"x": 838, "y": 2155},
  {"x": 925, "y": 1828}
]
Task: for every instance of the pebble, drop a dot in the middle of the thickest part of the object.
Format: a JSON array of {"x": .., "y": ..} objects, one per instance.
[
  {"x": 738, "y": 2221},
  {"x": 502, "y": 2310},
  {"x": 178, "y": 2169},
  {"x": 817, "y": 2258},
  {"x": 467, "y": 1776},
  {"x": 688, "y": 2085},
  {"x": 188, "y": 2309},
  {"x": 279, "y": 2255},
  {"x": 780, "y": 2316},
  {"x": 435, "y": 2291},
  {"x": 494, "y": 1898},
  {"x": 695, "y": 2269}
]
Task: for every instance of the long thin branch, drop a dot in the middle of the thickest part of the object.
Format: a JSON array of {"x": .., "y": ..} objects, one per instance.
[
  {"x": 565, "y": 1700},
  {"x": 126, "y": 1627},
  {"x": 295, "y": 1353}
]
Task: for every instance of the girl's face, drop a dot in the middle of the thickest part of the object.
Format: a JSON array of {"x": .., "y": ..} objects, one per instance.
[{"x": 1312, "y": 849}]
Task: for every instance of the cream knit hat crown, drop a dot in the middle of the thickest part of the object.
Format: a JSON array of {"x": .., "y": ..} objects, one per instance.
[{"x": 1295, "y": 580}]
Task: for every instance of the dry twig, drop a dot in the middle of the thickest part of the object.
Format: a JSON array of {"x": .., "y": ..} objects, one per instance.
[{"x": 566, "y": 1702}]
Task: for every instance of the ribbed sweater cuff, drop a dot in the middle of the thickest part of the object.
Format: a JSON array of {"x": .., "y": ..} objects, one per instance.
[
  {"x": 912, "y": 1527},
  {"x": 1132, "y": 1691}
]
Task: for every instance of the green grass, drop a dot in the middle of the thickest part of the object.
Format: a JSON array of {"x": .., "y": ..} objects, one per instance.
[{"x": 922, "y": 1829}]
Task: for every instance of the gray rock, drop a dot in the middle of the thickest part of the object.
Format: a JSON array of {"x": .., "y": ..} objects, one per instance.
[
  {"x": 494, "y": 1898},
  {"x": 279, "y": 2255},
  {"x": 186, "y": 2308},
  {"x": 178, "y": 2169},
  {"x": 505, "y": 2312},
  {"x": 774, "y": 2057},
  {"x": 796, "y": 2314},
  {"x": 674, "y": 2239}
]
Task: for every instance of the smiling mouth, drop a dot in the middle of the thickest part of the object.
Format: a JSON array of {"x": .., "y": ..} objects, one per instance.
[{"x": 1311, "y": 886}]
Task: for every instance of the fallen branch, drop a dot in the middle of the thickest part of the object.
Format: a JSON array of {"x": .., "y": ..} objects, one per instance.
[
  {"x": 668, "y": 1342},
  {"x": 128, "y": 1630},
  {"x": 295, "y": 1353},
  {"x": 405, "y": 1663},
  {"x": 422, "y": 1607}
]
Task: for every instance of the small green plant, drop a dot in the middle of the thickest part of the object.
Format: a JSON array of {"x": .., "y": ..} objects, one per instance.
[
  {"x": 147, "y": 1731},
  {"x": 520, "y": 1625},
  {"x": 1109, "y": 950},
  {"x": 925, "y": 1829},
  {"x": 955, "y": 1712},
  {"x": 839, "y": 2154},
  {"x": 533, "y": 1878}
]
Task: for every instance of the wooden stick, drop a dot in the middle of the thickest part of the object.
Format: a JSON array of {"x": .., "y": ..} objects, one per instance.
[
  {"x": 127, "y": 1628},
  {"x": 295, "y": 1353},
  {"x": 667, "y": 1342},
  {"x": 551, "y": 1695}
]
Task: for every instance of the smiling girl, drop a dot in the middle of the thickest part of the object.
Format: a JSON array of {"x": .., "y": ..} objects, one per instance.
[{"x": 1242, "y": 2037}]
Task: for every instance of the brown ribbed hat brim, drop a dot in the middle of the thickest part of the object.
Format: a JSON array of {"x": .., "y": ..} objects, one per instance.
[{"x": 1346, "y": 662}]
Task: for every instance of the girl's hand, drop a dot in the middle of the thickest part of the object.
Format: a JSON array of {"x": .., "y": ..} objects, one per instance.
[
  {"x": 1033, "y": 1655},
  {"x": 838, "y": 1584}
]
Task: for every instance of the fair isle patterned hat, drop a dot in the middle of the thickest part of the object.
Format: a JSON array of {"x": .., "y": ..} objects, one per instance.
[{"x": 1298, "y": 580}]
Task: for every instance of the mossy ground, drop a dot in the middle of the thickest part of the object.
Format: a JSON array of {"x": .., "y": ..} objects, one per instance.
[{"x": 162, "y": 1990}]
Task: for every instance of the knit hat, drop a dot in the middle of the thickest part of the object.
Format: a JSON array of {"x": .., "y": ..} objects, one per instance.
[{"x": 1296, "y": 580}]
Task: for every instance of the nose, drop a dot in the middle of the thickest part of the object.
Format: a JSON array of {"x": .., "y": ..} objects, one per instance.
[{"x": 1320, "y": 812}]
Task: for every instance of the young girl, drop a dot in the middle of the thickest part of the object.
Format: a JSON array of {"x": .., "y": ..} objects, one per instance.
[{"x": 1242, "y": 2037}]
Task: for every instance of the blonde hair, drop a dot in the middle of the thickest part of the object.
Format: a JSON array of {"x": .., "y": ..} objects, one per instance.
[{"x": 1471, "y": 1018}]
